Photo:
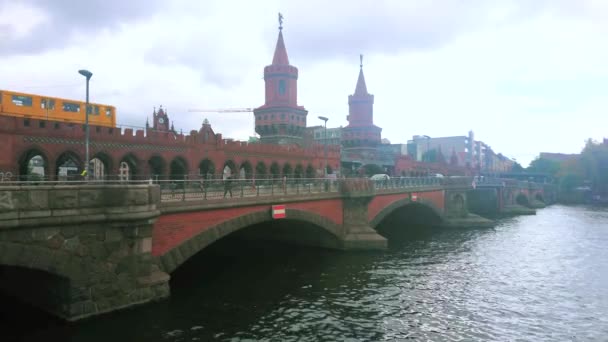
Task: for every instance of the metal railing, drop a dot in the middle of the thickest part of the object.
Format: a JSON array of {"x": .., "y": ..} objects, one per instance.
[
  {"x": 185, "y": 190},
  {"x": 406, "y": 183}
]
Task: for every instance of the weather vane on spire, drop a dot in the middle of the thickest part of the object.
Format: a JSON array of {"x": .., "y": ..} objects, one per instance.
[
  {"x": 280, "y": 21},
  {"x": 361, "y": 60}
]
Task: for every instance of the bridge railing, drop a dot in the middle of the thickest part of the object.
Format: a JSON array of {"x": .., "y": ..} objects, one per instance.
[
  {"x": 187, "y": 190},
  {"x": 406, "y": 183}
]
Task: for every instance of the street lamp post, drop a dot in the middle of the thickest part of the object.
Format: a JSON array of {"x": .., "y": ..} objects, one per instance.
[
  {"x": 88, "y": 75},
  {"x": 324, "y": 144}
]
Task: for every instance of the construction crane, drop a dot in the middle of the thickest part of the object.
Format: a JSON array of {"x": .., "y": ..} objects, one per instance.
[{"x": 226, "y": 110}]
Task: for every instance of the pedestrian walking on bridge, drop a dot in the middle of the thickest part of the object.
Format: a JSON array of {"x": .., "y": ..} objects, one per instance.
[{"x": 228, "y": 186}]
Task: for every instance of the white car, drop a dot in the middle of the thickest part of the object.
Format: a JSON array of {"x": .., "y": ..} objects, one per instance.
[{"x": 380, "y": 176}]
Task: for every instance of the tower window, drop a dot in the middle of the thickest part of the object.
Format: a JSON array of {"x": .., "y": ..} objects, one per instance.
[{"x": 282, "y": 87}]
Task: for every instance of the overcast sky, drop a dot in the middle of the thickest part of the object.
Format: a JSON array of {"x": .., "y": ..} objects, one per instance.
[{"x": 526, "y": 76}]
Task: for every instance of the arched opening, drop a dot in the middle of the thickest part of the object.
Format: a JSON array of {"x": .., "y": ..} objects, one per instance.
[
  {"x": 68, "y": 166},
  {"x": 246, "y": 170},
  {"x": 310, "y": 171},
  {"x": 178, "y": 169},
  {"x": 329, "y": 170},
  {"x": 403, "y": 221},
  {"x": 216, "y": 274},
  {"x": 127, "y": 168},
  {"x": 260, "y": 170},
  {"x": 275, "y": 170},
  {"x": 229, "y": 169},
  {"x": 522, "y": 199},
  {"x": 97, "y": 169},
  {"x": 287, "y": 170},
  {"x": 299, "y": 228},
  {"x": 100, "y": 166},
  {"x": 298, "y": 171},
  {"x": 31, "y": 301},
  {"x": 33, "y": 166},
  {"x": 157, "y": 167},
  {"x": 206, "y": 168}
]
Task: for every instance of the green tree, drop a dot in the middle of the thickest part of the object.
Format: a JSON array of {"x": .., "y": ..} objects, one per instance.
[
  {"x": 517, "y": 167},
  {"x": 543, "y": 165},
  {"x": 594, "y": 160}
]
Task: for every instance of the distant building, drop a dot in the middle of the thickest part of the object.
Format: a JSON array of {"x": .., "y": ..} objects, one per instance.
[{"x": 317, "y": 135}]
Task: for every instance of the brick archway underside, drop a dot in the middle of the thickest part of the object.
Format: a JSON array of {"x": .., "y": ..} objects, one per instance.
[
  {"x": 402, "y": 203},
  {"x": 181, "y": 253}
]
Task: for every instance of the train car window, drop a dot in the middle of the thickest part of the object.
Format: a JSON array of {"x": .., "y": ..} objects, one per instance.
[
  {"x": 71, "y": 107},
  {"x": 0, "y": 97},
  {"x": 96, "y": 110},
  {"x": 108, "y": 111},
  {"x": 25, "y": 101},
  {"x": 47, "y": 104}
]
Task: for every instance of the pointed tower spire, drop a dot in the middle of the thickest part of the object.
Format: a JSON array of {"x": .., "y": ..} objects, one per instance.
[
  {"x": 281, "y": 120},
  {"x": 280, "y": 52},
  {"x": 361, "y": 88}
]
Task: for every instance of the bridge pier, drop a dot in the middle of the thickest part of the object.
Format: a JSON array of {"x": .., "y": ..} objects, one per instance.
[
  {"x": 358, "y": 234},
  {"x": 457, "y": 213},
  {"x": 79, "y": 252}
]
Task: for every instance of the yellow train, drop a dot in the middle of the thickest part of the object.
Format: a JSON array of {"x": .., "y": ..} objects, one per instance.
[{"x": 24, "y": 105}]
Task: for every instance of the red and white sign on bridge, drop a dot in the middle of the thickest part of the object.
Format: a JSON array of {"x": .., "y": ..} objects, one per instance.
[{"x": 278, "y": 211}]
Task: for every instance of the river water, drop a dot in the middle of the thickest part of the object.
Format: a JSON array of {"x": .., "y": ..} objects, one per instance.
[{"x": 530, "y": 278}]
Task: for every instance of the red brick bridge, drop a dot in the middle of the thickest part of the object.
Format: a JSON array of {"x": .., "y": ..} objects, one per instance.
[{"x": 82, "y": 250}]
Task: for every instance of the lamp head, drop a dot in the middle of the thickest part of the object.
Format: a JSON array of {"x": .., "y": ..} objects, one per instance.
[
  {"x": 85, "y": 73},
  {"x": 323, "y": 118}
]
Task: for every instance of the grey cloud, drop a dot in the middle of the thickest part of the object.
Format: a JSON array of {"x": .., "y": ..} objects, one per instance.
[
  {"x": 67, "y": 17},
  {"x": 392, "y": 27}
]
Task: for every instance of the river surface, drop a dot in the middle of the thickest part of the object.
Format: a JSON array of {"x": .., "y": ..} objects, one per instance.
[{"x": 530, "y": 278}]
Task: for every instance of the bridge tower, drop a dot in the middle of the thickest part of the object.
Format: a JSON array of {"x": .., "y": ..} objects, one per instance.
[
  {"x": 361, "y": 131},
  {"x": 280, "y": 120}
]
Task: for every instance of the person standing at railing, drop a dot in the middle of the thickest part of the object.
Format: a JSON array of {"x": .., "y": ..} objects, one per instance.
[{"x": 228, "y": 186}]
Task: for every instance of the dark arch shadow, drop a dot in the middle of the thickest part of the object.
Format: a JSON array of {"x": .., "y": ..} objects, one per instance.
[
  {"x": 157, "y": 166},
  {"x": 25, "y": 158},
  {"x": 71, "y": 164},
  {"x": 247, "y": 168},
  {"x": 402, "y": 203},
  {"x": 131, "y": 160},
  {"x": 180, "y": 254},
  {"x": 106, "y": 160},
  {"x": 522, "y": 199},
  {"x": 178, "y": 168},
  {"x": 206, "y": 168}
]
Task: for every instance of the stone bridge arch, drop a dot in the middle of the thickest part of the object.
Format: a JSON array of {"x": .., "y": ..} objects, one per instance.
[
  {"x": 175, "y": 257},
  {"x": 393, "y": 207},
  {"x": 30, "y": 258}
]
